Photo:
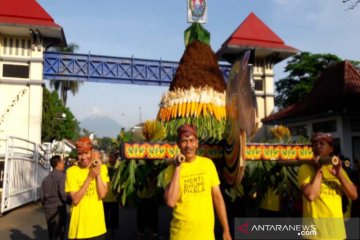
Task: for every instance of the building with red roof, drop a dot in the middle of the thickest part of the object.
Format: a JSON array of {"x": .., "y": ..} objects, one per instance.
[
  {"x": 26, "y": 31},
  {"x": 331, "y": 106},
  {"x": 253, "y": 33},
  {"x": 269, "y": 48},
  {"x": 27, "y": 17}
]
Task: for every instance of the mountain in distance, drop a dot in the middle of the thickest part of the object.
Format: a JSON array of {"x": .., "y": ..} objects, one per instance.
[{"x": 102, "y": 126}]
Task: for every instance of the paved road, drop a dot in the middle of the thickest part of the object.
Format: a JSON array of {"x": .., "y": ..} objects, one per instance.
[{"x": 28, "y": 222}]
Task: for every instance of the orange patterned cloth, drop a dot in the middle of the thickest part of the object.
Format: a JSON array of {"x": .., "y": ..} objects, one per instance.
[
  {"x": 322, "y": 136},
  {"x": 186, "y": 130},
  {"x": 84, "y": 144}
]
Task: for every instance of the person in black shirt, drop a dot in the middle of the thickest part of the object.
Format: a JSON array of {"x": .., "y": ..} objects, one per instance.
[
  {"x": 53, "y": 199},
  {"x": 111, "y": 204}
]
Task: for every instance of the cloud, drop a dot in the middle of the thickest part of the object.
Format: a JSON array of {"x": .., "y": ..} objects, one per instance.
[
  {"x": 316, "y": 13},
  {"x": 96, "y": 112},
  {"x": 318, "y": 26},
  {"x": 283, "y": 2}
]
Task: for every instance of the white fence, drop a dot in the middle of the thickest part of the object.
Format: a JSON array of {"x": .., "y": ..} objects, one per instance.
[{"x": 25, "y": 166}]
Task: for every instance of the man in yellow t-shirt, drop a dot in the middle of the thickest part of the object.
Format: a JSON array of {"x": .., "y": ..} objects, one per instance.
[
  {"x": 270, "y": 204},
  {"x": 193, "y": 191},
  {"x": 322, "y": 187},
  {"x": 87, "y": 184}
]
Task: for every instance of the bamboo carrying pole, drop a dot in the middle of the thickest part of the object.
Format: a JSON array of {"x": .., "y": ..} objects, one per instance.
[
  {"x": 334, "y": 160},
  {"x": 177, "y": 159},
  {"x": 96, "y": 158}
]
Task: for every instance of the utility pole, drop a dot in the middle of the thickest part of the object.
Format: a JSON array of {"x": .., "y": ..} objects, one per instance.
[
  {"x": 140, "y": 114},
  {"x": 128, "y": 120}
]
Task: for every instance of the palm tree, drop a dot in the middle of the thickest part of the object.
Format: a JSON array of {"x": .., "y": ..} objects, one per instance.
[
  {"x": 352, "y": 4},
  {"x": 63, "y": 85}
]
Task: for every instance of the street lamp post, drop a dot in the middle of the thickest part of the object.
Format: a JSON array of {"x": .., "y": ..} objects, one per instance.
[
  {"x": 128, "y": 120},
  {"x": 59, "y": 118}
]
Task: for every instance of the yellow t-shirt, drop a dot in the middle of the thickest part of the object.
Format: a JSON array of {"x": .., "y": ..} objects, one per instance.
[
  {"x": 271, "y": 200},
  {"x": 110, "y": 195},
  {"x": 193, "y": 214},
  {"x": 87, "y": 217},
  {"x": 347, "y": 213},
  {"x": 325, "y": 212}
]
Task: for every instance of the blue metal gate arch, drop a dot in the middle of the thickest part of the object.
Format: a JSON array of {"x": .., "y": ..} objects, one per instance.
[{"x": 97, "y": 68}]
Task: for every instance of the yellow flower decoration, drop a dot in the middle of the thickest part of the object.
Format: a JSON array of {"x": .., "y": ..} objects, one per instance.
[{"x": 281, "y": 132}]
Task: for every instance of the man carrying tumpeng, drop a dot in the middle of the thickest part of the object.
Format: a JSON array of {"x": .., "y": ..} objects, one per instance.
[
  {"x": 322, "y": 187},
  {"x": 193, "y": 192},
  {"x": 87, "y": 184}
]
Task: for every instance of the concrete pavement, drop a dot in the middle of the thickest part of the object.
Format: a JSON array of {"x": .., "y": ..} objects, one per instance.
[
  {"x": 24, "y": 223},
  {"x": 28, "y": 222}
]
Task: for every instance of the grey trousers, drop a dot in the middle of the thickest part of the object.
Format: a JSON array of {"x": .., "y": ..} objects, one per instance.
[{"x": 56, "y": 222}]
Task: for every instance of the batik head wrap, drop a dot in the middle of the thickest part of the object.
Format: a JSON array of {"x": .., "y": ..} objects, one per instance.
[
  {"x": 84, "y": 145},
  {"x": 322, "y": 136},
  {"x": 186, "y": 130}
]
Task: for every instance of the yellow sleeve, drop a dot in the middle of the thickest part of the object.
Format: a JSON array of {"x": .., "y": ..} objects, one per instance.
[
  {"x": 168, "y": 174},
  {"x": 214, "y": 175},
  {"x": 104, "y": 174},
  {"x": 346, "y": 175},
  {"x": 305, "y": 174},
  {"x": 70, "y": 182}
]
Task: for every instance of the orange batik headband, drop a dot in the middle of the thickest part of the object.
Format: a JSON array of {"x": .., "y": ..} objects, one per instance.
[{"x": 84, "y": 144}]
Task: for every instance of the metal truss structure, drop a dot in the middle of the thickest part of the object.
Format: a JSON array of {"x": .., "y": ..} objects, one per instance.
[{"x": 96, "y": 68}]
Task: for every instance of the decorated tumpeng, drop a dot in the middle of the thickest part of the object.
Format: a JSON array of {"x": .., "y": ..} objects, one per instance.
[
  {"x": 225, "y": 114},
  {"x": 196, "y": 95}
]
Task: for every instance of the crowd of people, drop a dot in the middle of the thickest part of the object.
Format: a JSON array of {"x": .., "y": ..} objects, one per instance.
[{"x": 191, "y": 189}]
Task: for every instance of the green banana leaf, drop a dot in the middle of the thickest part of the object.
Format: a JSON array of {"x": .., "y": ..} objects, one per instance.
[
  {"x": 196, "y": 32},
  {"x": 209, "y": 129}
]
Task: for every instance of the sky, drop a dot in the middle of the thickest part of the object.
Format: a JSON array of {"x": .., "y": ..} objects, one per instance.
[{"x": 154, "y": 30}]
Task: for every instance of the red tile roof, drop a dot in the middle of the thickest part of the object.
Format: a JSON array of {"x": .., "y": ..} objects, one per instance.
[
  {"x": 27, "y": 12},
  {"x": 254, "y": 33},
  {"x": 335, "y": 91},
  {"x": 19, "y": 16}
]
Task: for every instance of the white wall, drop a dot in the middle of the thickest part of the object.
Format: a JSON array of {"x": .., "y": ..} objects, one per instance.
[
  {"x": 21, "y": 98},
  {"x": 265, "y": 98}
]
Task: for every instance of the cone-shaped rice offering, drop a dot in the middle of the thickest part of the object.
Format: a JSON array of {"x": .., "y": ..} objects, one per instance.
[{"x": 196, "y": 95}]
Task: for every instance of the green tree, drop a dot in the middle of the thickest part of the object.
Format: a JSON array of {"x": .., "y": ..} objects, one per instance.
[
  {"x": 303, "y": 70},
  {"x": 63, "y": 85},
  {"x": 105, "y": 144},
  {"x": 57, "y": 120},
  {"x": 85, "y": 132}
]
